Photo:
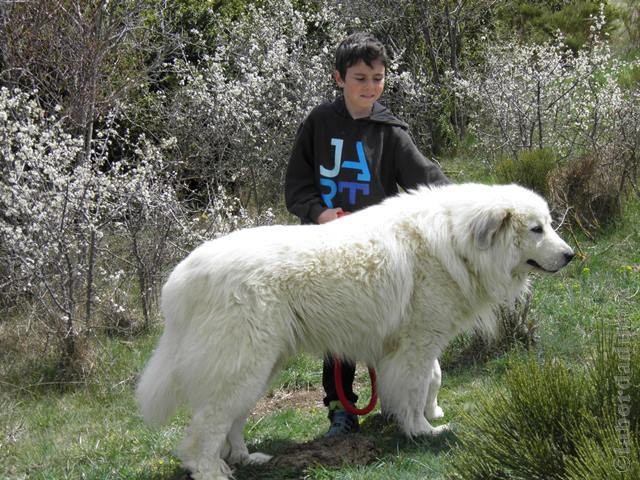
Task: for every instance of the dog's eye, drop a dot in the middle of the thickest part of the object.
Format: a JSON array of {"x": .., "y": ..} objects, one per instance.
[{"x": 537, "y": 229}]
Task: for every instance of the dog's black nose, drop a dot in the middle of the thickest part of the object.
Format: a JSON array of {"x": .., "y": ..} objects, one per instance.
[{"x": 569, "y": 256}]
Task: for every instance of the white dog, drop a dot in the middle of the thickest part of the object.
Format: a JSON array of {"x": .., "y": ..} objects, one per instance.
[{"x": 388, "y": 286}]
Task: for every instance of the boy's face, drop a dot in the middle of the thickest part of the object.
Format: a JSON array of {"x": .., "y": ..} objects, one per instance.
[{"x": 362, "y": 86}]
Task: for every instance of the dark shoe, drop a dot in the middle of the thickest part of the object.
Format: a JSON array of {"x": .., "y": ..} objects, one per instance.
[{"x": 342, "y": 423}]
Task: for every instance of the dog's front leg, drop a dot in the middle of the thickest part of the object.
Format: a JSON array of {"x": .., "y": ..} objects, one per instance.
[{"x": 403, "y": 384}]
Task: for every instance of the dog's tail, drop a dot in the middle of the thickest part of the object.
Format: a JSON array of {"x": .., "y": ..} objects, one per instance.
[{"x": 157, "y": 392}]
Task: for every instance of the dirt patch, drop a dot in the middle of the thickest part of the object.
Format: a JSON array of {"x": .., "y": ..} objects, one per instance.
[
  {"x": 330, "y": 452},
  {"x": 279, "y": 399}
]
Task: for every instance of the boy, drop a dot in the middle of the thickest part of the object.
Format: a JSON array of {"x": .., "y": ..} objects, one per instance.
[{"x": 348, "y": 155}]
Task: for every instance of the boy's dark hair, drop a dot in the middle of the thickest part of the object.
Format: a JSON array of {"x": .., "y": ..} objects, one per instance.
[{"x": 359, "y": 46}]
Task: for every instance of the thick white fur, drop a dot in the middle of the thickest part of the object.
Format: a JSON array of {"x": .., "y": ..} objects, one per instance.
[{"x": 388, "y": 286}]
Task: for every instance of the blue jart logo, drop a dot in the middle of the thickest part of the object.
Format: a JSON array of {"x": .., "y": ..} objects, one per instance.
[{"x": 353, "y": 188}]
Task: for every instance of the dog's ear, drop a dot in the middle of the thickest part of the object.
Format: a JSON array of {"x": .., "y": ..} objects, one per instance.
[{"x": 486, "y": 226}]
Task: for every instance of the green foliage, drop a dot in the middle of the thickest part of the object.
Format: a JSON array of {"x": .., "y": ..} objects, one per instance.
[
  {"x": 630, "y": 77},
  {"x": 629, "y": 14},
  {"x": 607, "y": 444},
  {"x": 538, "y": 21},
  {"x": 552, "y": 420},
  {"x": 597, "y": 457},
  {"x": 530, "y": 168}
]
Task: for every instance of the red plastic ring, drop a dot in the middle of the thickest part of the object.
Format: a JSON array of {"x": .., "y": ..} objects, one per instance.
[{"x": 348, "y": 406}]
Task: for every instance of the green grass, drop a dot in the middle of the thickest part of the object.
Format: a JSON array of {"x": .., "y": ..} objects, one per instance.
[
  {"x": 603, "y": 286},
  {"x": 92, "y": 430},
  {"x": 84, "y": 431}
]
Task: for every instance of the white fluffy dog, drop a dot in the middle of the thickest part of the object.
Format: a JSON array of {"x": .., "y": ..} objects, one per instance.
[{"x": 388, "y": 286}]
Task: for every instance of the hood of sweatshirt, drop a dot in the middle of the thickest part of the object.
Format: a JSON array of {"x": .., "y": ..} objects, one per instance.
[{"x": 379, "y": 114}]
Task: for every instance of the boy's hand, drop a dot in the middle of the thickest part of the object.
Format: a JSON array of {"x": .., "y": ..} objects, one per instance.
[{"x": 331, "y": 214}]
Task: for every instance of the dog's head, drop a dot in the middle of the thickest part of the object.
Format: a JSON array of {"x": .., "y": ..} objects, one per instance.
[{"x": 520, "y": 223}]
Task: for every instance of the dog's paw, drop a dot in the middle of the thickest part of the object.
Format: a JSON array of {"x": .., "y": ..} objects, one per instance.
[
  {"x": 422, "y": 428},
  {"x": 237, "y": 457},
  {"x": 257, "y": 458},
  {"x": 425, "y": 429},
  {"x": 208, "y": 476},
  {"x": 242, "y": 457},
  {"x": 216, "y": 471},
  {"x": 440, "y": 430},
  {"x": 435, "y": 413}
]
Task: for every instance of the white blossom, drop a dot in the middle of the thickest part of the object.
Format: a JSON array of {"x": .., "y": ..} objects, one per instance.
[{"x": 530, "y": 96}]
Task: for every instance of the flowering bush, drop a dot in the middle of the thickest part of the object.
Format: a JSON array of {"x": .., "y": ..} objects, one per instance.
[
  {"x": 538, "y": 96},
  {"x": 236, "y": 113},
  {"x": 84, "y": 222},
  {"x": 75, "y": 230},
  {"x": 544, "y": 97},
  {"x": 36, "y": 202},
  {"x": 52, "y": 204}
]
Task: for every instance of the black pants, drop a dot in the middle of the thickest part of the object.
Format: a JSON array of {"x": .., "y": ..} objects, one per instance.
[{"x": 329, "y": 381}]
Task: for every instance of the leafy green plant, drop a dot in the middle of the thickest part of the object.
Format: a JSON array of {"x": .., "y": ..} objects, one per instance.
[
  {"x": 538, "y": 21},
  {"x": 553, "y": 421},
  {"x": 530, "y": 168}
]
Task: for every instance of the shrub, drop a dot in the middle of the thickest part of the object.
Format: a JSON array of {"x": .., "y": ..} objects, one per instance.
[
  {"x": 515, "y": 329},
  {"x": 527, "y": 96},
  {"x": 588, "y": 189},
  {"x": 77, "y": 231},
  {"x": 597, "y": 457},
  {"x": 530, "y": 168},
  {"x": 553, "y": 421},
  {"x": 237, "y": 110}
]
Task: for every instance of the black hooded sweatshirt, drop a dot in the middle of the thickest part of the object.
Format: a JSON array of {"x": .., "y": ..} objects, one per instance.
[{"x": 341, "y": 162}]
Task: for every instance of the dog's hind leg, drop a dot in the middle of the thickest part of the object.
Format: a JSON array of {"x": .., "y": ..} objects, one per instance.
[
  {"x": 236, "y": 452},
  {"x": 431, "y": 409},
  {"x": 214, "y": 441},
  {"x": 216, "y": 430},
  {"x": 256, "y": 382},
  {"x": 200, "y": 450}
]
